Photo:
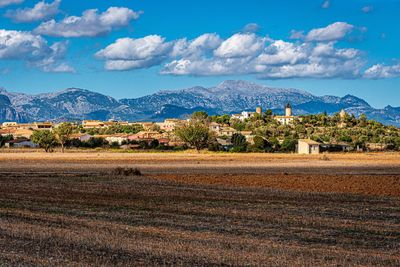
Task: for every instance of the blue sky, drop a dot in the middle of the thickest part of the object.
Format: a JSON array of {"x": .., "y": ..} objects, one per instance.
[{"x": 130, "y": 48}]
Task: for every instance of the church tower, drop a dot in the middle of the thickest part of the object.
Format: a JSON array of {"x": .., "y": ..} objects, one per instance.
[{"x": 288, "y": 110}]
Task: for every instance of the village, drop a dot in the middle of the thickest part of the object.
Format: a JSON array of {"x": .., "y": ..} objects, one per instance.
[{"x": 237, "y": 133}]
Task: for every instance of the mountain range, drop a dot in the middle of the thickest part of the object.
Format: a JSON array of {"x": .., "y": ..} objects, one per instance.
[{"x": 226, "y": 98}]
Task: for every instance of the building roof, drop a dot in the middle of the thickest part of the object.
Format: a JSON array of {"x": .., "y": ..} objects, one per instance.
[
  {"x": 16, "y": 141},
  {"x": 228, "y": 129},
  {"x": 288, "y": 105},
  {"x": 78, "y": 135},
  {"x": 284, "y": 117},
  {"x": 309, "y": 141}
]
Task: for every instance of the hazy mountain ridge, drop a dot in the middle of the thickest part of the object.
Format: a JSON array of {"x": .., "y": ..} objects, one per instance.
[{"x": 227, "y": 97}]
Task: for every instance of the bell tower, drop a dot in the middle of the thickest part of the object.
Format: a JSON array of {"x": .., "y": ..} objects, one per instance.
[{"x": 288, "y": 110}]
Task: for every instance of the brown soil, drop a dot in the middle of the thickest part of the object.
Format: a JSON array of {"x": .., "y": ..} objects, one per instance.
[
  {"x": 199, "y": 210},
  {"x": 380, "y": 185}
]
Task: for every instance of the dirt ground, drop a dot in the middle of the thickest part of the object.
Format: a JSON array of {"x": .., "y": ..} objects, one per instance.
[
  {"x": 190, "y": 209},
  {"x": 366, "y": 173}
]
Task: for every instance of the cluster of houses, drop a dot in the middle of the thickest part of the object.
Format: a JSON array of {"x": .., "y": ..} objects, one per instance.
[
  {"x": 163, "y": 132},
  {"x": 286, "y": 119}
]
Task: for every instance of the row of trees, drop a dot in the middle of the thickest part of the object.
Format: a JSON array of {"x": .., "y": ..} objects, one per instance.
[
  {"x": 49, "y": 139},
  {"x": 114, "y": 129}
]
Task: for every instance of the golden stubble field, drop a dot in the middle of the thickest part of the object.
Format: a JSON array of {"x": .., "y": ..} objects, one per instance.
[{"x": 199, "y": 209}]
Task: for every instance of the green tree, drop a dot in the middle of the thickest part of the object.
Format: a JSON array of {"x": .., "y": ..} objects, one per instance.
[
  {"x": 63, "y": 133},
  {"x": 224, "y": 119},
  {"x": 268, "y": 112},
  {"x": 199, "y": 116},
  {"x": 45, "y": 139},
  {"x": 289, "y": 144},
  {"x": 195, "y": 134},
  {"x": 260, "y": 144},
  {"x": 239, "y": 142},
  {"x": 5, "y": 138}
]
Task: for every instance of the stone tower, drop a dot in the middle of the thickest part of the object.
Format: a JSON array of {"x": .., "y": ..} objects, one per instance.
[
  {"x": 259, "y": 110},
  {"x": 288, "y": 110}
]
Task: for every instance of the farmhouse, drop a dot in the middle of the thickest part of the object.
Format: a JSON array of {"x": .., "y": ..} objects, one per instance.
[
  {"x": 92, "y": 124},
  {"x": 288, "y": 119},
  {"x": 147, "y": 126},
  {"x": 83, "y": 137},
  {"x": 308, "y": 146},
  {"x": 28, "y": 126},
  {"x": 169, "y": 125},
  {"x": 226, "y": 131},
  {"x": 249, "y": 136},
  {"x": 145, "y": 135},
  {"x": 215, "y": 127},
  {"x": 20, "y": 143},
  {"x": 246, "y": 114},
  {"x": 376, "y": 146},
  {"x": 114, "y": 138},
  {"x": 17, "y": 133}
]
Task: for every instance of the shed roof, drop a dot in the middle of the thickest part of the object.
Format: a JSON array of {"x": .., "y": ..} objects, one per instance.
[{"x": 309, "y": 141}]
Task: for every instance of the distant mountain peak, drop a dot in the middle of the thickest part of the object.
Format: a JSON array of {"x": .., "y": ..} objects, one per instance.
[
  {"x": 354, "y": 100},
  {"x": 237, "y": 83},
  {"x": 231, "y": 96}
]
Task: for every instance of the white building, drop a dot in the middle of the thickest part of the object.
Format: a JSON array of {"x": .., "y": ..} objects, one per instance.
[
  {"x": 307, "y": 146},
  {"x": 215, "y": 127},
  {"x": 247, "y": 114},
  {"x": 288, "y": 119},
  {"x": 20, "y": 143},
  {"x": 83, "y": 137},
  {"x": 170, "y": 125}
]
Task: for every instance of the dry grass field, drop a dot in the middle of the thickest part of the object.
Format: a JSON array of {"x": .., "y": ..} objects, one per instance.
[{"x": 199, "y": 209}]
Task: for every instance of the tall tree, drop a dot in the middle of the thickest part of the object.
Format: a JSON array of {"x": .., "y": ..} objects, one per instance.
[
  {"x": 63, "y": 133},
  {"x": 195, "y": 134},
  {"x": 45, "y": 139},
  {"x": 200, "y": 116},
  {"x": 239, "y": 142}
]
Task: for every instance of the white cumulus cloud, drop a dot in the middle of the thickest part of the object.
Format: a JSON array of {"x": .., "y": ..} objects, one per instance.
[
  {"x": 128, "y": 53},
  {"x": 380, "y": 71},
  {"x": 332, "y": 32},
  {"x": 240, "y": 45},
  {"x": 90, "y": 24},
  {"x": 241, "y": 53},
  {"x": 32, "y": 49},
  {"x": 40, "y": 11}
]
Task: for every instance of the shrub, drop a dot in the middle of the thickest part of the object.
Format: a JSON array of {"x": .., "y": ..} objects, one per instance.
[
  {"x": 325, "y": 158},
  {"x": 214, "y": 146},
  {"x": 126, "y": 172}
]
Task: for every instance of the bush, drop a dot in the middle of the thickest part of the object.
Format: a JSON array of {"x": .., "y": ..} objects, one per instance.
[
  {"x": 214, "y": 146},
  {"x": 154, "y": 144},
  {"x": 325, "y": 158},
  {"x": 126, "y": 172}
]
